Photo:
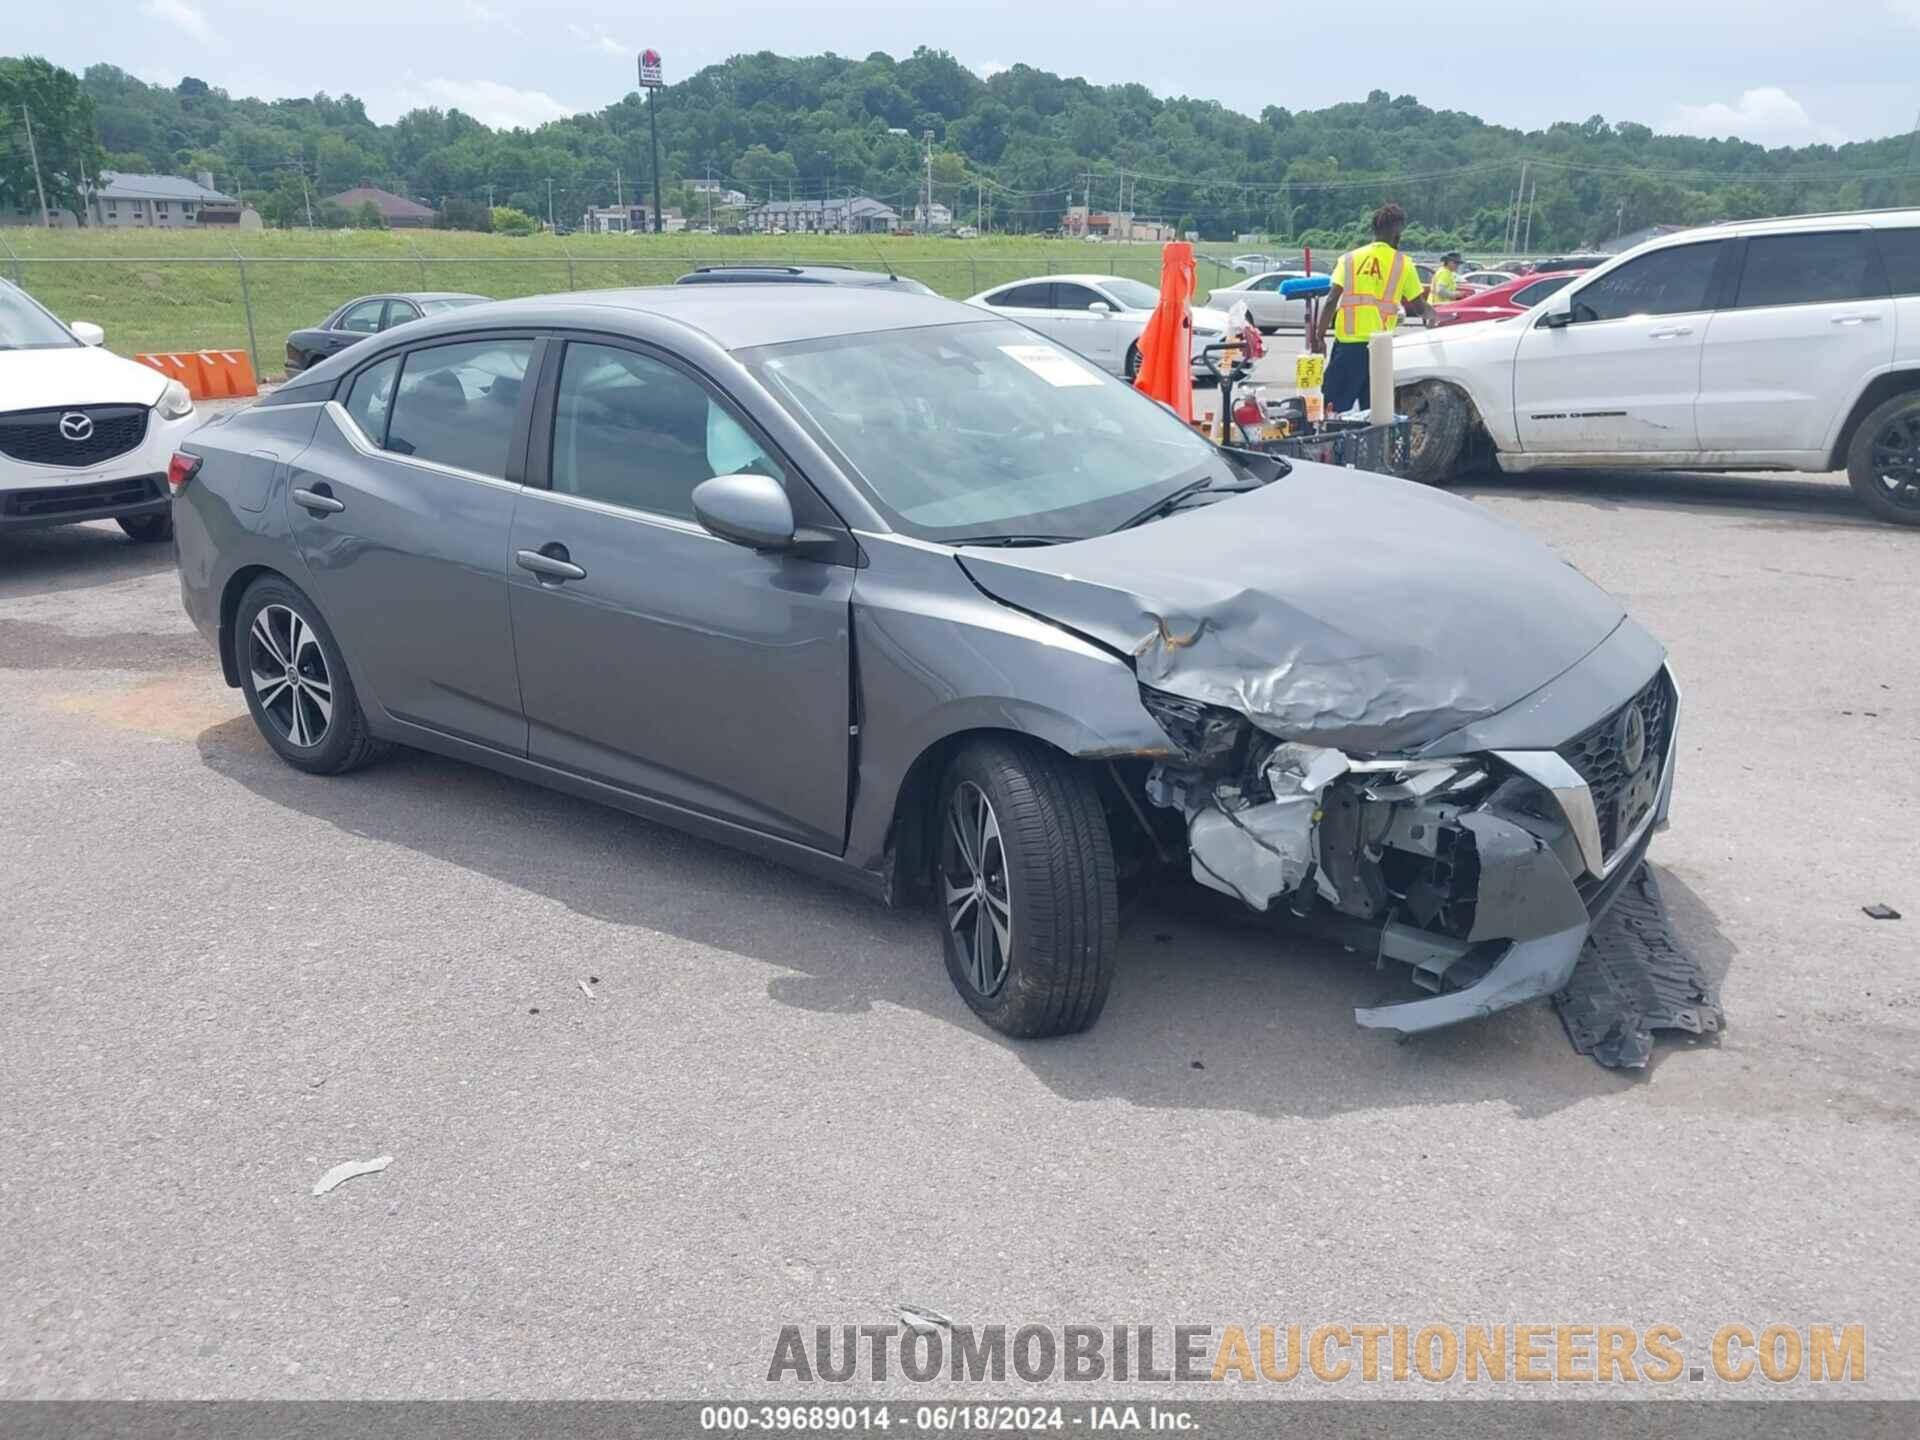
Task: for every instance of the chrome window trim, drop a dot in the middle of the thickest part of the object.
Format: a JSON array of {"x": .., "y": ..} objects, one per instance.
[{"x": 627, "y": 512}]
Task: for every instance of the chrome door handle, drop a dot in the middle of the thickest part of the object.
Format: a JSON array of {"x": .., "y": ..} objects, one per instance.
[
  {"x": 316, "y": 502},
  {"x": 1855, "y": 320},
  {"x": 547, "y": 565},
  {"x": 1673, "y": 334}
]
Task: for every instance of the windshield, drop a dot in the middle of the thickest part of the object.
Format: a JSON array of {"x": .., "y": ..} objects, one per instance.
[
  {"x": 1133, "y": 294},
  {"x": 25, "y": 326},
  {"x": 451, "y": 302},
  {"x": 968, "y": 432}
]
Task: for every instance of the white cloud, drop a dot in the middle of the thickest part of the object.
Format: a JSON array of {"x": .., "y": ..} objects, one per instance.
[
  {"x": 480, "y": 13},
  {"x": 488, "y": 101},
  {"x": 598, "y": 39},
  {"x": 1766, "y": 116},
  {"x": 181, "y": 15}
]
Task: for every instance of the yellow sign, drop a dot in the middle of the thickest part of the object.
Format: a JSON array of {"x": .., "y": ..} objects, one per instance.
[{"x": 1309, "y": 371}]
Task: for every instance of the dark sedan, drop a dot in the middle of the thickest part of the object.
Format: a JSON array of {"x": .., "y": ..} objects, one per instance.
[
  {"x": 368, "y": 315},
  {"x": 906, "y": 595}
]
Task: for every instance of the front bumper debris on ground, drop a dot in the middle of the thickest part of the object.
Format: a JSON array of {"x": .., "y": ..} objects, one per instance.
[{"x": 1633, "y": 978}]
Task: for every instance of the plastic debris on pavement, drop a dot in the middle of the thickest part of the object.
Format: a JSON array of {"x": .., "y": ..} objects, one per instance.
[
  {"x": 1634, "y": 978},
  {"x": 1880, "y": 912},
  {"x": 921, "y": 1320},
  {"x": 350, "y": 1170}
]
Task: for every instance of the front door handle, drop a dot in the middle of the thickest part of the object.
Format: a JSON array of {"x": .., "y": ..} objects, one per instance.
[
  {"x": 546, "y": 562},
  {"x": 1855, "y": 320},
  {"x": 1673, "y": 334},
  {"x": 317, "y": 501}
]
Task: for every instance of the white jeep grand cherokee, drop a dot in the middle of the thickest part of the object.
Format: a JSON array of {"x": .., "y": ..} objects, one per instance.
[
  {"x": 1766, "y": 345},
  {"x": 84, "y": 435}
]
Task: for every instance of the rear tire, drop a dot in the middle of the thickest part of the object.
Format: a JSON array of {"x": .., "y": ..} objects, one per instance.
[
  {"x": 1883, "y": 461},
  {"x": 1024, "y": 876},
  {"x": 1442, "y": 423},
  {"x": 296, "y": 681},
  {"x": 1133, "y": 363},
  {"x": 146, "y": 529}
]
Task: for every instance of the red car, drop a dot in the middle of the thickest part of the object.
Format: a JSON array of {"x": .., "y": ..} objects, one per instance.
[{"x": 1496, "y": 302}]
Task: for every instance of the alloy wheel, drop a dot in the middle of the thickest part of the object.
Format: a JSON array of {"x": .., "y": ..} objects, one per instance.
[
  {"x": 289, "y": 674},
  {"x": 973, "y": 872},
  {"x": 1896, "y": 460}
]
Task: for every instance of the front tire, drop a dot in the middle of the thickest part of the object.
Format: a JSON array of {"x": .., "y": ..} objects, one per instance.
[
  {"x": 1029, "y": 900},
  {"x": 1442, "y": 423},
  {"x": 146, "y": 529},
  {"x": 1883, "y": 462},
  {"x": 1133, "y": 363},
  {"x": 296, "y": 681}
]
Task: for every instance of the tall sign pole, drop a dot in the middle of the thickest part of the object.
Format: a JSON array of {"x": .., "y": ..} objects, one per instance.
[{"x": 652, "y": 83}]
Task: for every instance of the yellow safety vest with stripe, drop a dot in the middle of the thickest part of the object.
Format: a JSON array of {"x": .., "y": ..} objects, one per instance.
[
  {"x": 1371, "y": 280},
  {"x": 1446, "y": 284}
]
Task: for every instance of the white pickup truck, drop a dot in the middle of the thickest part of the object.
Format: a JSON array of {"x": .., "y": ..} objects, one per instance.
[{"x": 1789, "y": 344}]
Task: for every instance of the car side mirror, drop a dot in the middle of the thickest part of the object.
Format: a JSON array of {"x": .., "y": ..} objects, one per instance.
[
  {"x": 88, "y": 333},
  {"x": 1559, "y": 313},
  {"x": 1101, "y": 308},
  {"x": 750, "y": 510}
]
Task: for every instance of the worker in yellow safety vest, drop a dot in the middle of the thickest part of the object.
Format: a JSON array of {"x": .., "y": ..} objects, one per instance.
[
  {"x": 1370, "y": 285},
  {"x": 1446, "y": 280}
]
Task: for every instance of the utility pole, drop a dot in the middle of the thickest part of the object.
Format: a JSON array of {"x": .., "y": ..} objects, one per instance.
[
  {"x": 34, "y": 155},
  {"x": 709, "y": 195},
  {"x": 549, "y": 202},
  {"x": 489, "y": 195},
  {"x": 926, "y": 137},
  {"x": 1532, "y": 196},
  {"x": 306, "y": 195},
  {"x": 619, "y": 196}
]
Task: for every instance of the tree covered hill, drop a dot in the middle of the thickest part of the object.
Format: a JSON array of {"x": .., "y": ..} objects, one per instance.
[{"x": 1011, "y": 151}]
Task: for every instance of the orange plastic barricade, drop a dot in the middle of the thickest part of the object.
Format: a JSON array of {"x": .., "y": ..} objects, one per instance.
[
  {"x": 207, "y": 374},
  {"x": 227, "y": 373},
  {"x": 1166, "y": 345}
]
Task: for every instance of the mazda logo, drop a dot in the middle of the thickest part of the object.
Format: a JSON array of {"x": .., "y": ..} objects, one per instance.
[
  {"x": 1633, "y": 738},
  {"x": 76, "y": 427}
]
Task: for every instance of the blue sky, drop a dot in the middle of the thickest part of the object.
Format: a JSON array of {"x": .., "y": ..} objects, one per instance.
[{"x": 1761, "y": 69}]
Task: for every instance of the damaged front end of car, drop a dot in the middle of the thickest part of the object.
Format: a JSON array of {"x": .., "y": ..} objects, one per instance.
[{"x": 1482, "y": 872}]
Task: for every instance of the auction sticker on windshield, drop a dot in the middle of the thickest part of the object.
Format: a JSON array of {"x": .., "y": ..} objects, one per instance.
[{"x": 1056, "y": 367}]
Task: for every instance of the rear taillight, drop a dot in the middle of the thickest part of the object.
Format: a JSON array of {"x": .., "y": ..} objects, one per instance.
[{"x": 180, "y": 469}]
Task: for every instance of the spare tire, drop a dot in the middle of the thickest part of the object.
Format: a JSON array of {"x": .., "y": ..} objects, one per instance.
[{"x": 1442, "y": 424}]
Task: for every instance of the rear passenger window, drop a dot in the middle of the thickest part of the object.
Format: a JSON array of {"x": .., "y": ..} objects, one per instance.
[
  {"x": 370, "y": 398},
  {"x": 1813, "y": 269},
  {"x": 635, "y": 432},
  {"x": 1025, "y": 297},
  {"x": 1900, "y": 249},
  {"x": 457, "y": 404}
]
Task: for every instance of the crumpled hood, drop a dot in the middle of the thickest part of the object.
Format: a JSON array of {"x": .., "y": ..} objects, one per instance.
[
  {"x": 81, "y": 375},
  {"x": 1338, "y": 606}
]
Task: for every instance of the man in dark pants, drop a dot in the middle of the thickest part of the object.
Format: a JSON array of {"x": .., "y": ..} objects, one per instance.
[{"x": 1370, "y": 285}]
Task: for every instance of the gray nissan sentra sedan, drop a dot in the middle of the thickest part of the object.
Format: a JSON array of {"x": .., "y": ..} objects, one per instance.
[{"x": 914, "y": 599}]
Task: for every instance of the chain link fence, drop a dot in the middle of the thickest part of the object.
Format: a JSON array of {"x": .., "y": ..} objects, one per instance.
[{"x": 251, "y": 303}]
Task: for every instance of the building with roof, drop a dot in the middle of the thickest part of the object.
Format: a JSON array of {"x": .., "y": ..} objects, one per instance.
[
  {"x": 399, "y": 212},
  {"x": 123, "y": 200},
  {"x": 855, "y": 215}
]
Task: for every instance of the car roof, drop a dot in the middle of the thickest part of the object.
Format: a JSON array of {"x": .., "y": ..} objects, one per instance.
[
  {"x": 735, "y": 317},
  {"x": 774, "y": 274},
  {"x": 418, "y": 295},
  {"x": 1086, "y": 278}
]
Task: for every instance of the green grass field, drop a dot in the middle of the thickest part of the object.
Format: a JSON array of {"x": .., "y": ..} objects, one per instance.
[{"x": 181, "y": 290}]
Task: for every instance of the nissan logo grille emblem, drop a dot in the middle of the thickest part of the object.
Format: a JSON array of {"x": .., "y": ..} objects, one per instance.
[
  {"x": 1633, "y": 738},
  {"x": 76, "y": 427}
]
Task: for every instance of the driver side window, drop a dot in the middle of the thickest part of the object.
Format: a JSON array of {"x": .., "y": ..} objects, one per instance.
[
  {"x": 1674, "y": 281},
  {"x": 364, "y": 318},
  {"x": 1075, "y": 297},
  {"x": 635, "y": 432}
]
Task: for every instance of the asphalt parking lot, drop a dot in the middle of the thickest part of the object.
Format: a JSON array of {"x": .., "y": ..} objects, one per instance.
[{"x": 648, "y": 1099}]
